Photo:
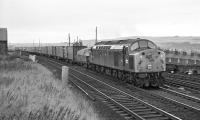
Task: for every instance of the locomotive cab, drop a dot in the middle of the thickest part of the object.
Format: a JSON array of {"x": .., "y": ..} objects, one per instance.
[
  {"x": 148, "y": 58},
  {"x": 148, "y": 61}
]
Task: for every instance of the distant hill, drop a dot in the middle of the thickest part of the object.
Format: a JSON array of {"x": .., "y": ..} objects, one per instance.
[{"x": 178, "y": 42}]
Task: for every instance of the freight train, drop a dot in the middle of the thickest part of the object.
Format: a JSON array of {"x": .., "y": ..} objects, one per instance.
[{"x": 137, "y": 61}]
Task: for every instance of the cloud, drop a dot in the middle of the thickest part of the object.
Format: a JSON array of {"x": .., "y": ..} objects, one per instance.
[{"x": 53, "y": 19}]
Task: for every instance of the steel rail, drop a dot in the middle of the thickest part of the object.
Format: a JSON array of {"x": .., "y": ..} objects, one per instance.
[{"x": 145, "y": 103}]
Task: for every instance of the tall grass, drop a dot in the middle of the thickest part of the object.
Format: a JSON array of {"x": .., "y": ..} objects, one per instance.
[{"x": 29, "y": 91}]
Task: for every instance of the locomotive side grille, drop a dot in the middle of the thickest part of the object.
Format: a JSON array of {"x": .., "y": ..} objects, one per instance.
[{"x": 131, "y": 62}]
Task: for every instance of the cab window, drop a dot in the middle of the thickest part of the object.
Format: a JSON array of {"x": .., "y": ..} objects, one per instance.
[
  {"x": 151, "y": 45},
  {"x": 143, "y": 44},
  {"x": 134, "y": 46}
]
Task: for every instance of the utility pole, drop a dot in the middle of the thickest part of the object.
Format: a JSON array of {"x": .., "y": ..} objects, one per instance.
[
  {"x": 39, "y": 46},
  {"x": 69, "y": 38},
  {"x": 96, "y": 35},
  {"x": 33, "y": 43},
  {"x": 39, "y": 42}
]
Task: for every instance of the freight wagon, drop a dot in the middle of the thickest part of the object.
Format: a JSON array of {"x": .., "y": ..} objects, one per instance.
[{"x": 60, "y": 52}]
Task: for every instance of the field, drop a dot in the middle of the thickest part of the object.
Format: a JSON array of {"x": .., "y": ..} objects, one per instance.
[{"x": 29, "y": 91}]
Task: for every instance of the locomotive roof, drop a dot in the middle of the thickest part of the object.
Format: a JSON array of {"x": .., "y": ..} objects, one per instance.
[{"x": 120, "y": 42}]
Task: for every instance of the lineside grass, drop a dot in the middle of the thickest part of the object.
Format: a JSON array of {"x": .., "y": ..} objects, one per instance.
[{"x": 29, "y": 91}]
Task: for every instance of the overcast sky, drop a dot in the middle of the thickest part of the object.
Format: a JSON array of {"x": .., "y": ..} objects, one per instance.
[{"x": 52, "y": 20}]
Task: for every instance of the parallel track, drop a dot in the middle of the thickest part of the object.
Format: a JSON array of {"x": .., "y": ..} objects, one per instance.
[
  {"x": 187, "y": 77},
  {"x": 190, "y": 85},
  {"x": 188, "y": 97}
]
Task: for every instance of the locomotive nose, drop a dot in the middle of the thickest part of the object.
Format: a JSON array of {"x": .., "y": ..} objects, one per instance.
[{"x": 151, "y": 61}]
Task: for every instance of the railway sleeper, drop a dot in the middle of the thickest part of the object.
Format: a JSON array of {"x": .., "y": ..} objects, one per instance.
[
  {"x": 160, "y": 118},
  {"x": 140, "y": 110},
  {"x": 140, "y": 107},
  {"x": 152, "y": 115},
  {"x": 120, "y": 111},
  {"x": 128, "y": 117},
  {"x": 147, "y": 112},
  {"x": 129, "y": 103}
]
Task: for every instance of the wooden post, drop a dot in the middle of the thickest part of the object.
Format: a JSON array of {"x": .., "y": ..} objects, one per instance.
[
  {"x": 69, "y": 38},
  {"x": 65, "y": 74},
  {"x": 32, "y": 57},
  {"x": 29, "y": 56}
]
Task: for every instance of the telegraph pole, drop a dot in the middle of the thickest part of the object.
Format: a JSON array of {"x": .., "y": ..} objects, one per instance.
[
  {"x": 39, "y": 46},
  {"x": 33, "y": 43},
  {"x": 96, "y": 35},
  {"x": 39, "y": 42},
  {"x": 69, "y": 38}
]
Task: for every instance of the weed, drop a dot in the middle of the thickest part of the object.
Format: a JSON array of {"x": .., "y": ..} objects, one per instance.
[{"x": 29, "y": 91}]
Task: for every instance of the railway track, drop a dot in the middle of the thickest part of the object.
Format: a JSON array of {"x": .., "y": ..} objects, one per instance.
[
  {"x": 186, "y": 77},
  {"x": 120, "y": 110},
  {"x": 189, "y": 85},
  {"x": 123, "y": 103},
  {"x": 188, "y": 97}
]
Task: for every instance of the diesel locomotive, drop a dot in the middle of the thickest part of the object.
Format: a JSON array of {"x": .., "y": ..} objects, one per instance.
[{"x": 137, "y": 61}]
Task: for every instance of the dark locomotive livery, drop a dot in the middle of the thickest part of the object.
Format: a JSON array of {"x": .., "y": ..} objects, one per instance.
[{"x": 136, "y": 61}]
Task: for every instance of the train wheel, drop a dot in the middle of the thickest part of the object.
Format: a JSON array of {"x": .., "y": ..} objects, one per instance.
[
  {"x": 129, "y": 78},
  {"x": 121, "y": 76},
  {"x": 111, "y": 72},
  {"x": 146, "y": 83},
  {"x": 138, "y": 82},
  {"x": 155, "y": 83}
]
